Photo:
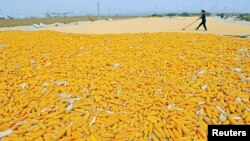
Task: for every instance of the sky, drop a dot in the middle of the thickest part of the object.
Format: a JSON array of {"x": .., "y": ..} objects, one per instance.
[{"x": 22, "y": 8}]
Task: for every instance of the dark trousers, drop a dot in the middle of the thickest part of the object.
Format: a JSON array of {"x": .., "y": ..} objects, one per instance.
[{"x": 204, "y": 25}]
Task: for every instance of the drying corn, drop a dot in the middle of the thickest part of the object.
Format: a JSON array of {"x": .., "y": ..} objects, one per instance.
[{"x": 154, "y": 86}]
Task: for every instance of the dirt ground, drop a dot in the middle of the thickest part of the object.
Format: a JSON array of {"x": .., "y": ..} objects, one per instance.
[{"x": 165, "y": 24}]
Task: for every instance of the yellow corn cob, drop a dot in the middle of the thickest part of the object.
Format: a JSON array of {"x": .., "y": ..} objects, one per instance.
[
  {"x": 171, "y": 134},
  {"x": 247, "y": 119},
  {"x": 202, "y": 133},
  {"x": 160, "y": 130},
  {"x": 154, "y": 138},
  {"x": 166, "y": 132},
  {"x": 157, "y": 133},
  {"x": 93, "y": 138},
  {"x": 69, "y": 131},
  {"x": 108, "y": 135},
  {"x": 176, "y": 133},
  {"x": 60, "y": 134},
  {"x": 152, "y": 119}
]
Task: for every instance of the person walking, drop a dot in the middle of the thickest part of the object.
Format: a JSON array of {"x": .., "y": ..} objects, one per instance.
[{"x": 203, "y": 20}]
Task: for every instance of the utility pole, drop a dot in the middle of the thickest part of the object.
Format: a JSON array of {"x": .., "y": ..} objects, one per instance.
[
  {"x": 1, "y": 14},
  {"x": 109, "y": 12},
  {"x": 98, "y": 7},
  {"x": 86, "y": 12},
  {"x": 26, "y": 15},
  {"x": 155, "y": 7}
]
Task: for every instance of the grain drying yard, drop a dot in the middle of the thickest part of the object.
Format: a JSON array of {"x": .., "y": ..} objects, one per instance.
[{"x": 144, "y": 86}]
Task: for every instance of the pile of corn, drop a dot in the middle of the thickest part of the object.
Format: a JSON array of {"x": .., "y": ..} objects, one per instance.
[{"x": 158, "y": 86}]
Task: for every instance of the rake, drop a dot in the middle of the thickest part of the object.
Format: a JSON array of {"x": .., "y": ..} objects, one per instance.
[{"x": 190, "y": 24}]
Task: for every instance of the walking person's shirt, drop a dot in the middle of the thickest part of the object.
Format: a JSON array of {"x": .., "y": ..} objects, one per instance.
[{"x": 203, "y": 17}]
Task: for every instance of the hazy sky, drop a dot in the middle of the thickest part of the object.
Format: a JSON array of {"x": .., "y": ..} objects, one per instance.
[{"x": 83, "y": 7}]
